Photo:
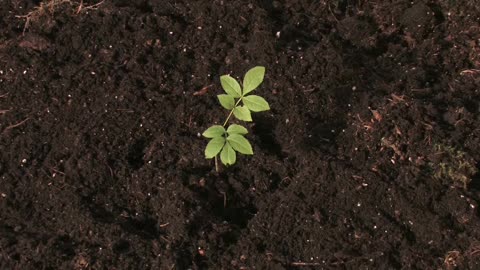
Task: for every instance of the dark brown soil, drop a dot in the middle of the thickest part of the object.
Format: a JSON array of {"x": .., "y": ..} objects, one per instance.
[{"x": 367, "y": 159}]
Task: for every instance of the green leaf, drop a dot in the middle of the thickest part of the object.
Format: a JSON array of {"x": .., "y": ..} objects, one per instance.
[
  {"x": 227, "y": 101},
  {"x": 253, "y": 78},
  {"x": 236, "y": 129},
  {"x": 239, "y": 143},
  {"x": 214, "y": 131},
  {"x": 256, "y": 103},
  {"x": 228, "y": 155},
  {"x": 214, "y": 146},
  {"x": 242, "y": 113},
  {"x": 231, "y": 86}
]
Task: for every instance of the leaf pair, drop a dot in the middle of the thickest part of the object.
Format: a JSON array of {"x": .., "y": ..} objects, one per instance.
[
  {"x": 253, "y": 78},
  {"x": 226, "y": 142},
  {"x": 252, "y": 103}
]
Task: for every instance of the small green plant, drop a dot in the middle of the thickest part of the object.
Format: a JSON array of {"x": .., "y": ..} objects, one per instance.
[
  {"x": 228, "y": 141},
  {"x": 453, "y": 165}
]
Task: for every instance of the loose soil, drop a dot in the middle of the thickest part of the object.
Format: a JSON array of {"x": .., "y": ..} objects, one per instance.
[{"x": 367, "y": 160}]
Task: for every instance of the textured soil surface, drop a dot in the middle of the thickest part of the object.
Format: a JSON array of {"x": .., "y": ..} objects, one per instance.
[{"x": 367, "y": 160}]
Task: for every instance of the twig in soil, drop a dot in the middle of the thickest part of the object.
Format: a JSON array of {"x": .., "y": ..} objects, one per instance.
[
  {"x": 216, "y": 165},
  {"x": 16, "y": 125},
  {"x": 126, "y": 110},
  {"x": 368, "y": 126},
  {"x": 376, "y": 115},
  {"x": 40, "y": 11},
  {"x": 470, "y": 71},
  {"x": 4, "y": 95},
  {"x": 475, "y": 253},
  {"x": 357, "y": 177},
  {"x": 63, "y": 184},
  {"x": 224, "y": 199},
  {"x": 202, "y": 91},
  {"x": 94, "y": 6},
  {"x": 48, "y": 7},
  {"x": 80, "y": 7},
  {"x": 474, "y": 250},
  {"x": 397, "y": 99},
  {"x": 330, "y": 9},
  {"x": 4, "y": 111},
  {"x": 164, "y": 225},
  {"x": 110, "y": 170},
  {"x": 148, "y": 154},
  {"x": 305, "y": 264},
  {"x": 56, "y": 171}
]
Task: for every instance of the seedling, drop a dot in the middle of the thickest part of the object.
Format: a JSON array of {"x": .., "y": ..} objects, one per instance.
[
  {"x": 228, "y": 141},
  {"x": 454, "y": 165}
]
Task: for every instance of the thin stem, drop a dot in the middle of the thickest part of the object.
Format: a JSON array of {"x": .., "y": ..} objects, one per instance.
[
  {"x": 231, "y": 112},
  {"x": 224, "y": 124}
]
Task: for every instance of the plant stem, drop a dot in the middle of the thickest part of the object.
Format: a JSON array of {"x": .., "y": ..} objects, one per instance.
[
  {"x": 231, "y": 112},
  {"x": 224, "y": 124}
]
